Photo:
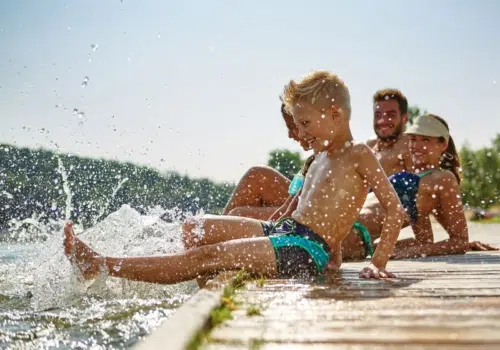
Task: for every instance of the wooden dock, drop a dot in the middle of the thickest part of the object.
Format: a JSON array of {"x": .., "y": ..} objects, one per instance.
[{"x": 448, "y": 302}]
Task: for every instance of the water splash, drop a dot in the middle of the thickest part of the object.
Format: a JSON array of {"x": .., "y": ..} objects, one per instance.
[
  {"x": 104, "y": 207},
  {"x": 66, "y": 189},
  {"x": 32, "y": 228},
  {"x": 85, "y": 82},
  {"x": 123, "y": 233}
]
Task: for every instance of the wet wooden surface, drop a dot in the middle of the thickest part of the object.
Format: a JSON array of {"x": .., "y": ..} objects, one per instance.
[{"x": 449, "y": 302}]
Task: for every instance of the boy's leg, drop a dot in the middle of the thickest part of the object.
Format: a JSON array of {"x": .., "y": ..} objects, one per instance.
[
  {"x": 254, "y": 255},
  {"x": 259, "y": 187},
  {"x": 210, "y": 229}
]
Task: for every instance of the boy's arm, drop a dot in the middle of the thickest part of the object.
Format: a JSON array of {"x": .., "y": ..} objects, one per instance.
[
  {"x": 372, "y": 173},
  {"x": 450, "y": 215}
]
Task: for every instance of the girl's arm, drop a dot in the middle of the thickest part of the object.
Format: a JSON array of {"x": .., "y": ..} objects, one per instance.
[
  {"x": 450, "y": 214},
  {"x": 286, "y": 209}
]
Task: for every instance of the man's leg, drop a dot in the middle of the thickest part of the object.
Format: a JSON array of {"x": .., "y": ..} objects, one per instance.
[
  {"x": 259, "y": 187},
  {"x": 210, "y": 229},
  {"x": 254, "y": 255}
]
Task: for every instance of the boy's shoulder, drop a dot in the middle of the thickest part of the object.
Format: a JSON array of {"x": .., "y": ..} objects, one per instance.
[
  {"x": 353, "y": 148},
  {"x": 356, "y": 152},
  {"x": 360, "y": 148}
]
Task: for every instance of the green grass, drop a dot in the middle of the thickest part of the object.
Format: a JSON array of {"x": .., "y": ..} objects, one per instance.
[
  {"x": 255, "y": 344},
  {"x": 221, "y": 313},
  {"x": 495, "y": 220},
  {"x": 253, "y": 310}
]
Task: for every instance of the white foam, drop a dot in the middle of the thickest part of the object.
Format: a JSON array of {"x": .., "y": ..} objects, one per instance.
[{"x": 54, "y": 282}]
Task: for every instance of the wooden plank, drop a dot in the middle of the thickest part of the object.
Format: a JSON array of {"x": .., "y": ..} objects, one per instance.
[{"x": 450, "y": 302}]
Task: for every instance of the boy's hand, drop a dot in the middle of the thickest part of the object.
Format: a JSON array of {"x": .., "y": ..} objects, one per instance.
[{"x": 371, "y": 271}]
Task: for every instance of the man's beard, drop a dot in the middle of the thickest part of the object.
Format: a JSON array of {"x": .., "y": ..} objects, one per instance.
[{"x": 395, "y": 135}]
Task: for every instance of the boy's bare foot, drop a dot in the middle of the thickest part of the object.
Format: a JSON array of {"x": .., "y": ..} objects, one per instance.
[{"x": 88, "y": 261}]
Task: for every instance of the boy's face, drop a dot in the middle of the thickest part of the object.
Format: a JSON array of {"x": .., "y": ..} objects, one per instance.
[
  {"x": 388, "y": 122},
  {"x": 315, "y": 125}
]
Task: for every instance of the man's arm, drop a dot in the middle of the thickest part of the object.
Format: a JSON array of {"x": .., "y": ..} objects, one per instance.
[
  {"x": 407, "y": 159},
  {"x": 371, "y": 171}
]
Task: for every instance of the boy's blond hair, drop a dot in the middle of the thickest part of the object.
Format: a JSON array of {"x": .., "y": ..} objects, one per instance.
[{"x": 320, "y": 88}]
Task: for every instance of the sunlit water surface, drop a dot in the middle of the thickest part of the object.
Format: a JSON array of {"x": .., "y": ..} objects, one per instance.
[{"x": 44, "y": 304}]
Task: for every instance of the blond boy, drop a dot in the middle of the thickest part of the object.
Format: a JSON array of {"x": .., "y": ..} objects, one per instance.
[{"x": 305, "y": 244}]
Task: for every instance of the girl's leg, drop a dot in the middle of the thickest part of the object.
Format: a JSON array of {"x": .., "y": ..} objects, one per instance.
[
  {"x": 259, "y": 187},
  {"x": 210, "y": 229},
  {"x": 259, "y": 213},
  {"x": 254, "y": 255}
]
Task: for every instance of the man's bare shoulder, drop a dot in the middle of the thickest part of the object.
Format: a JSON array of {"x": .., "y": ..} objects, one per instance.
[
  {"x": 403, "y": 141},
  {"x": 371, "y": 142}
]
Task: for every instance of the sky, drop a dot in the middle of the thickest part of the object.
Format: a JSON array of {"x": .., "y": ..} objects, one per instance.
[{"x": 193, "y": 86}]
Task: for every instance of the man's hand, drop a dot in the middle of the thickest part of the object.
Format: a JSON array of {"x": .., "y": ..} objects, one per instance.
[
  {"x": 479, "y": 246},
  {"x": 371, "y": 271}
]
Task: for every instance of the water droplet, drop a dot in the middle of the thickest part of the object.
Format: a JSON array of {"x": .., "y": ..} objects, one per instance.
[
  {"x": 80, "y": 115},
  {"x": 94, "y": 47},
  {"x": 75, "y": 111},
  {"x": 326, "y": 143}
]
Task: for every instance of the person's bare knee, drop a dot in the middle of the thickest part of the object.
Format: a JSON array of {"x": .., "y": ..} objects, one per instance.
[
  {"x": 192, "y": 231},
  {"x": 235, "y": 212},
  {"x": 206, "y": 259},
  {"x": 256, "y": 172}
]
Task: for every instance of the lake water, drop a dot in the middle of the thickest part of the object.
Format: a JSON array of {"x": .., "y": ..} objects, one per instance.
[{"x": 44, "y": 304}]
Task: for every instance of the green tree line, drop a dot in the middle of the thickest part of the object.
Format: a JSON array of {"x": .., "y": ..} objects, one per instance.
[
  {"x": 37, "y": 181},
  {"x": 481, "y": 174}
]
